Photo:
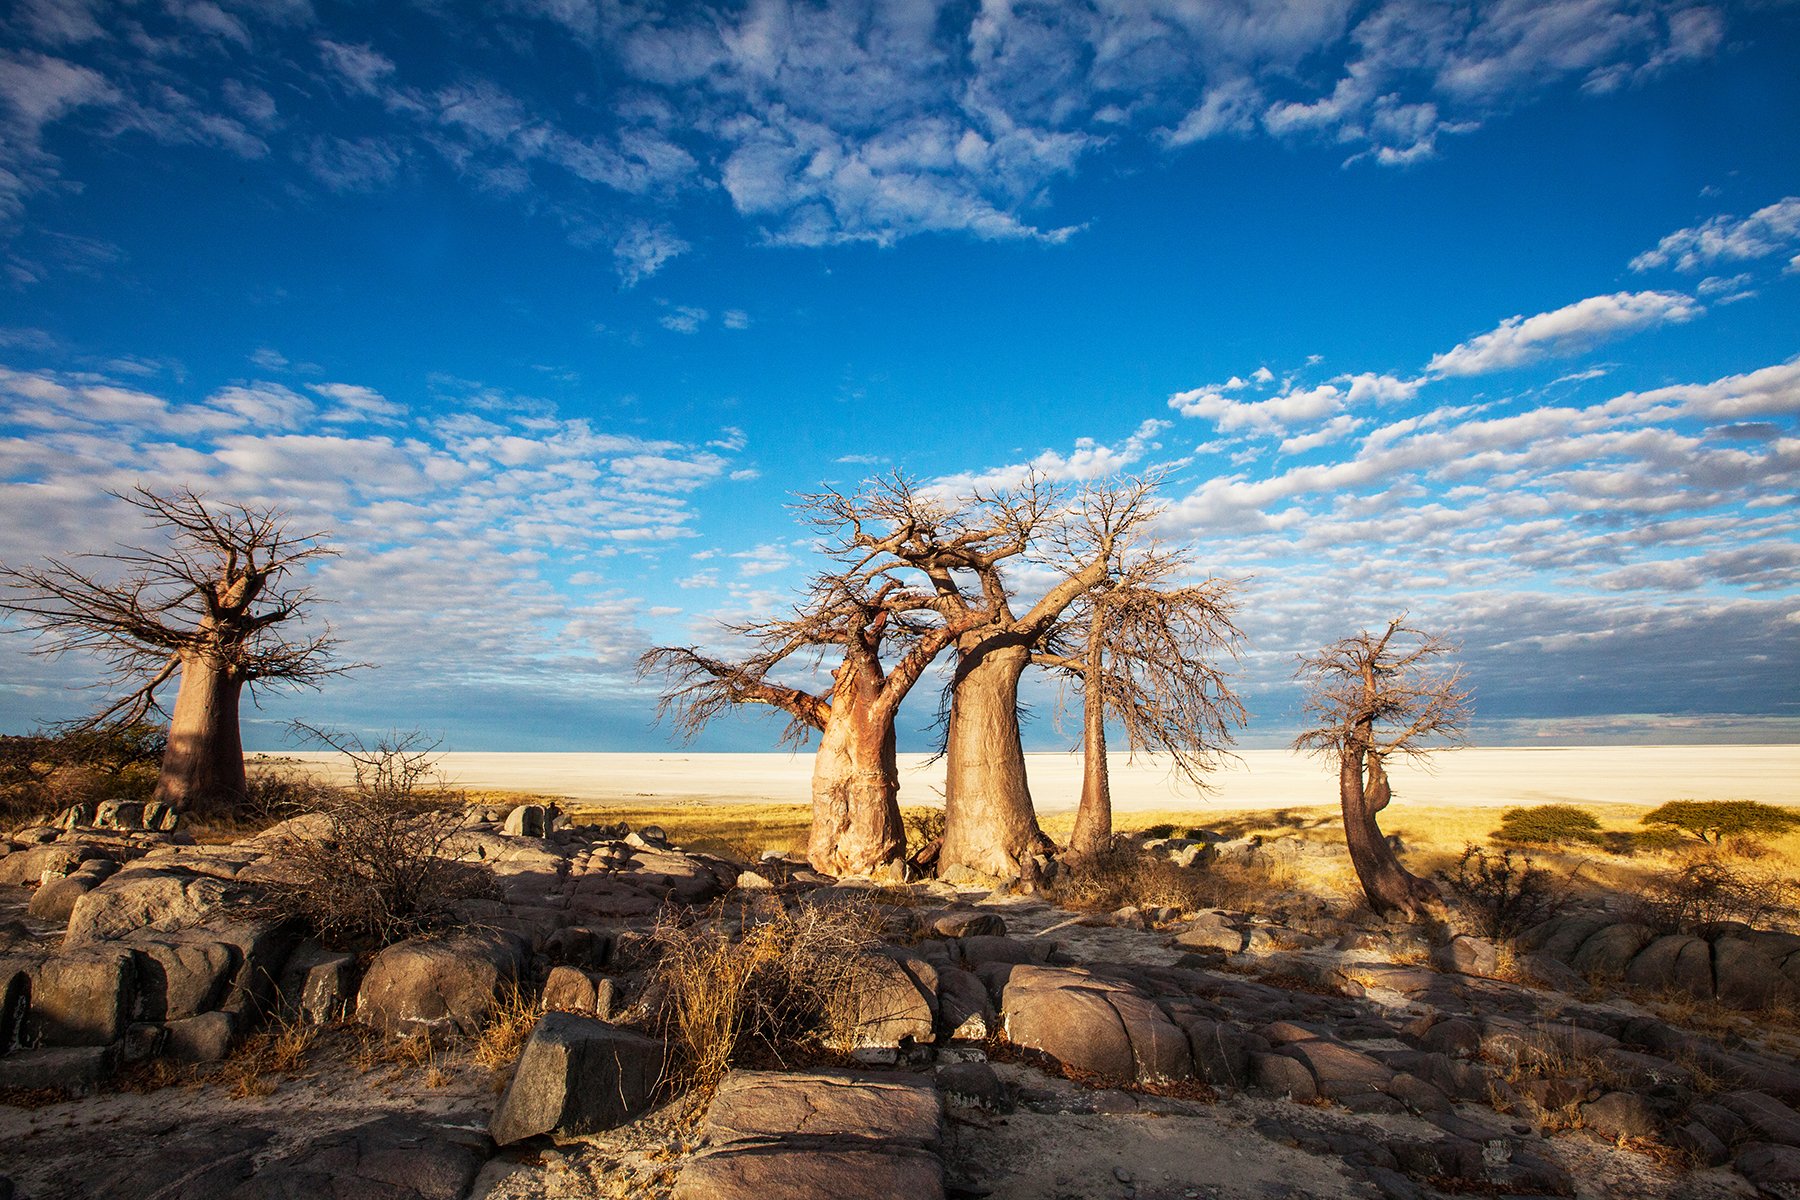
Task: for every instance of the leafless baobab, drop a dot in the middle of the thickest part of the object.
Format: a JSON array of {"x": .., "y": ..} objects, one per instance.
[
  {"x": 856, "y": 826},
  {"x": 1144, "y": 651},
  {"x": 961, "y": 546},
  {"x": 209, "y": 606},
  {"x": 1371, "y": 697}
]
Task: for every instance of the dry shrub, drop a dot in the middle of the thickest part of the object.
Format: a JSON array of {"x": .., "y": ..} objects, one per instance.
[
  {"x": 779, "y": 987},
  {"x": 924, "y": 827},
  {"x": 1125, "y": 876},
  {"x": 1708, "y": 893},
  {"x": 377, "y": 867},
  {"x": 511, "y": 1022},
  {"x": 1503, "y": 893},
  {"x": 43, "y": 773},
  {"x": 279, "y": 1051}
]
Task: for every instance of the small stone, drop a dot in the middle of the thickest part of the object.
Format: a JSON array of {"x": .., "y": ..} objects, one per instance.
[{"x": 1121, "y": 1174}]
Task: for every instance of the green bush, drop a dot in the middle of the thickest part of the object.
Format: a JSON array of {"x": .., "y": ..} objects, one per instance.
[
  {"x": 1549, "y": 825},
  {"x": 1713, "y": 821}
]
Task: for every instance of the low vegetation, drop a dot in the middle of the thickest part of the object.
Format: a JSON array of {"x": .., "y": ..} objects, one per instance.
[
  {"x": 1716, "y": 821},
  {"x": 44, "y": 773},
  {"x": 1705, "y": 894},
  {"x": 780, "y": 987},
  {"x": 1550, "y": 825},
  {"x": 1504, "y": 893},
  {"x": 370, "y": 864}
]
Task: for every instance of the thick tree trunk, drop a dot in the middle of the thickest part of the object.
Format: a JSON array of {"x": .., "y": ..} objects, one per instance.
[
  {"x": 1093, "y": 817},
  {"x": 203, "y": 767},
  {"x": 856, "y": 827},
  {"x": 1389, "y": 886},
  {"x": 989, "y": 825}
]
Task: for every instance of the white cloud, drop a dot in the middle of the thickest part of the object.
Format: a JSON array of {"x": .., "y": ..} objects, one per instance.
[
  {"x": 643, "y": 250},
  {"x": 683, "y": 318},
  {"x": 735, "y": 318},
  {"x": 1563, "y": 331},
  {"x": 1768, "y": 231}
]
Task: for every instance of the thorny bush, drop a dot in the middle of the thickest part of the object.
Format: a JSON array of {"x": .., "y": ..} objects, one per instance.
[
  {"x": 1708, "y": 893},
  {"x": 1125, "y": 875},
  {"x": 372, "y": 863},
  {"x": 777, "y": 987},
  {"x": 1504, "y": 893}
]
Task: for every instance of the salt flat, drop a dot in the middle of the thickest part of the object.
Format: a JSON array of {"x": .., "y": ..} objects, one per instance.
[{"x": 1259, "y": 779}]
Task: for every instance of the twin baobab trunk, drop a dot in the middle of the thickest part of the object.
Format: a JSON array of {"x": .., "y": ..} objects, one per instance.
[
  {"x": 856, "y": 827},
  {"x": 989, "y": 824},
  {"x": 203, "y": 766},
  {"x": 1364, "y": 791}
]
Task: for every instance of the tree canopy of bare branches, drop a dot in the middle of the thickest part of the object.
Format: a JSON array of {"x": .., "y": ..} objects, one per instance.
[
  {"x": 963, "y": 547},
  {"x": 856, "y": 827},
  {"x": 1146, "y": 651},
  {"x": 213, "y": 605},
  {"x": 1369, "y": 698}
]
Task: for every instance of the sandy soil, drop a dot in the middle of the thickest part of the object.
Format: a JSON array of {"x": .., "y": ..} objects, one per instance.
[{"x": 1260, "y": 779}]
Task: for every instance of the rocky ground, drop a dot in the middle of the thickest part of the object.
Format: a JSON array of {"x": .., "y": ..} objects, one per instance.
[{"x": 166, "y": 1038}]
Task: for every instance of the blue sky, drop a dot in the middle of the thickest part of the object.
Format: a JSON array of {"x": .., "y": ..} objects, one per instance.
[{"x": 1487, "y": 312}]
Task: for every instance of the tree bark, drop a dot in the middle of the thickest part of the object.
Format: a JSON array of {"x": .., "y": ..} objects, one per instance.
[
  {"x": 1389, "y": 886},
  {"x": 1093, "y": 816},
  {"x": 856, "y": 826},
  {"x": 989, "y": 824},
  {"x": 203, "y": 767}
]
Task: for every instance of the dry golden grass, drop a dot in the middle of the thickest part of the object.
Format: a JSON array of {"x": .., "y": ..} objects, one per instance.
[
  {"x": 258, "y": 1064},
  {"x": 738, "y": 831},
  {"x": 497, "y": 1046},
  {"x": 779, "y": 986}
]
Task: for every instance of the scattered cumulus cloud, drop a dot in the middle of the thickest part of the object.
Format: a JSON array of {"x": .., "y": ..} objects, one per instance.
[
  {"x": 1766, "y": 232},
  {"x": 818, "y": 124},
  {"x": 1564, "y": 331}
]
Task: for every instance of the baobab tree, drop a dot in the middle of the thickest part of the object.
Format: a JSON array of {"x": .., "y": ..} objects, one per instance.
[
  {"x": 210, "y": 606},
  {"x": 856, "y": 826},
  {"x": 1371, "y": 697},
  {"x": 960, "y": 546},
  {"x": 1145, "y": 652}
]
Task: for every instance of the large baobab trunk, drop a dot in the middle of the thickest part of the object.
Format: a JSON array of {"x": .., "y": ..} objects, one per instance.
[
  {"x": 989, "y": 825},
  {"x": 203, "y": 766},
  {"x": 1389, "y": 886},
  {"x": 856, "y": 827}
]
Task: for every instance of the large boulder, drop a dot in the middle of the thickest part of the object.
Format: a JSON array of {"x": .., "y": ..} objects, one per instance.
[
  {"x": 1094, "y": 1025},
  {"x": 817, "y": 1135},
  {"x": 577, "y": 1075},
  {"x": 964, "y": 1010},
  {"x": 1607, "y": 952},
  {"x": 450, "y": 982},
  {"x": 1677, "y": 962},
  {"x": 179, "y": 979},
  {"x": 82, "y": 998},
  {"x": 895, "y": 1002},
  {"x": 144, "y": 899},
  {"x": 1339, "y": 1072},
  {"x": 317, "y": 985},
  {"x": 1744, "y": 976}
]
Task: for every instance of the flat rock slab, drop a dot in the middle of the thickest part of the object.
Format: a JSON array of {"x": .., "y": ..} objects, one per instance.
[
  {"x": 817, "y": 1135},
  {"x": 390, "y": 1158}
]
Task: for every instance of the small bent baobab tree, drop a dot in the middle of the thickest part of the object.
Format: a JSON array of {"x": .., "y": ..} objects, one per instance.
[
  {"x": 856, "y": 825},
  {"x": 1371, "y": 697},
  {"x": 209, "y": 607}
]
